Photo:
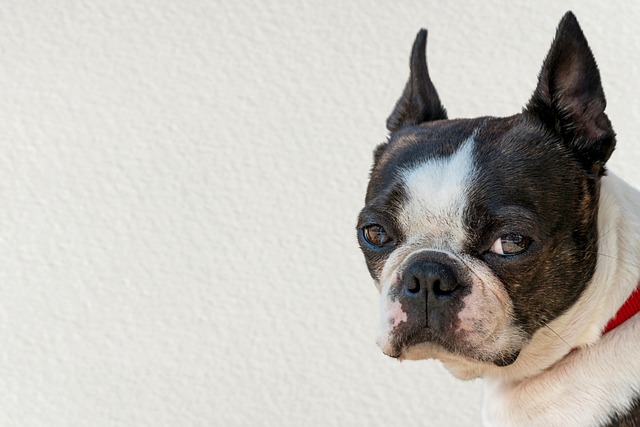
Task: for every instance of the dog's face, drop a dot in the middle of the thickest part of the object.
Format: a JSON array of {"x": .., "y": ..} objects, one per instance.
[{"x": 479, "y": 232}]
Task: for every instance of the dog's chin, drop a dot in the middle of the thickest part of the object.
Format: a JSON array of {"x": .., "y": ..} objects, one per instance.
[{"x": 461, "y": 365}]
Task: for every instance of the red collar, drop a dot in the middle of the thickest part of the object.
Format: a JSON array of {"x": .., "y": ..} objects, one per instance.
[{"x": 630, "y": 307}]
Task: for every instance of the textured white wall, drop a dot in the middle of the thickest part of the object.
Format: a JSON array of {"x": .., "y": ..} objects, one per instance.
[{"x": 179, "y": 183}]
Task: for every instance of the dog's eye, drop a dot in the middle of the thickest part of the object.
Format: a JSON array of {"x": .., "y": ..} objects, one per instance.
[
  {"x": 511, "y": 244},
  {"x": 375, "y": 235}
]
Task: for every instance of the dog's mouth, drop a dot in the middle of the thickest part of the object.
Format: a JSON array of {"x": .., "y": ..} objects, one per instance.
[{"x": 420, "y": 345}]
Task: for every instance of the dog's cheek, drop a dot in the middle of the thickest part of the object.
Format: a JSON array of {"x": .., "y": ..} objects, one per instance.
[{"x": 485, "y": 326}]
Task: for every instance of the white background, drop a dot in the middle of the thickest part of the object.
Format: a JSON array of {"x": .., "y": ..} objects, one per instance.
[{"x": 179, "y": 183}]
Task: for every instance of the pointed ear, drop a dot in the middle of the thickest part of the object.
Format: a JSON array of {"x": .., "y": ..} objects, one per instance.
[
  {"x": 569, "y": 98},
  {"x": 419, "y": 101}
]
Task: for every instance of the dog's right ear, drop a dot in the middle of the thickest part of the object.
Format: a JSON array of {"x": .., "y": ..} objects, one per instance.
[{"x": 419, "y": 102}]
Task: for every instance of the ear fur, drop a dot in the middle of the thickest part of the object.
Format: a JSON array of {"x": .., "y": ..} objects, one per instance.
[
  {"x": 419, "y": 102},
  {"x": 569, "y": 98}
]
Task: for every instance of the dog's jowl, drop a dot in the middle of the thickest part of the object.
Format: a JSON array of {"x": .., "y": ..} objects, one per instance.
[{"x": 504, "y": 248}]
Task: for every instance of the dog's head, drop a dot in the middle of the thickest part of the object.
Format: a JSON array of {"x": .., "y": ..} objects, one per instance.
[{"x": 479, "y": 232}]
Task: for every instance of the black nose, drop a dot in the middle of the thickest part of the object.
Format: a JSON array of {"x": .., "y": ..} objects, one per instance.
[{"x": 429, "y": 277}]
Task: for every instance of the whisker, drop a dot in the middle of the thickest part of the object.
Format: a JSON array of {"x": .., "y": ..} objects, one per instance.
[
  {"x": 613, "y": 227},
  {"x": 618, "y": 259},
  {"x": 600, "y": 236},
  {"x": 558, "y": 335}
]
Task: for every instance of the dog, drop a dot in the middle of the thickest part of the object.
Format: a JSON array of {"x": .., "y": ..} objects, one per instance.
[{"x": 504, "y": 248}]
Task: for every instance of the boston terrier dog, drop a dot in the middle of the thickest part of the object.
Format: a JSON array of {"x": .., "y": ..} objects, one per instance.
[{"x": 504, "y": 248}]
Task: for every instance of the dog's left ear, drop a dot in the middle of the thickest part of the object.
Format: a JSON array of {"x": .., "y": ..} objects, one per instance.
[
  {"x": 419, "y": 102},
  {"x": 569, "y": 98}
]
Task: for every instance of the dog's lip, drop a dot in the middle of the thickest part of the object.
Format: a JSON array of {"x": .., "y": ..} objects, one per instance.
[
  {"x": 396, "y": 347},
  {"x": 391, "y": 349},
  {"x": 396, "y": 350},
  {"x": 393, "y": 354}
]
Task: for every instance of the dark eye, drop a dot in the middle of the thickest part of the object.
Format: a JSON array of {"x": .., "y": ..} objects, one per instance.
[
  {"x": 375, "y": 235},
  {"x": 511, "y": 244}
]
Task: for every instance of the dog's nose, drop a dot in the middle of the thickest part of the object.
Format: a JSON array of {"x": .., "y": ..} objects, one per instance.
[
  {"x": 431, "y": 278},
  {"x": 430, "y": 291}
]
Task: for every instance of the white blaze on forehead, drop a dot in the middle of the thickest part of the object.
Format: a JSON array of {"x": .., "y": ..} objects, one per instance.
[{"x": 437, "y": 193}]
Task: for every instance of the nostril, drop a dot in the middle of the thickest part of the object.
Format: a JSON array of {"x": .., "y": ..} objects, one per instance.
[
  {"x": 436, "y": 288},
  {"x": 412, "y": 286},
  {"x": 445, "y": 288}
]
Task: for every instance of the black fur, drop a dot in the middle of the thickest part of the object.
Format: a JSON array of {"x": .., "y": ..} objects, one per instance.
[{"x": 529, "y": 182}]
